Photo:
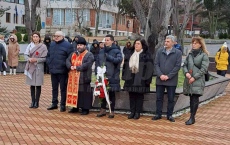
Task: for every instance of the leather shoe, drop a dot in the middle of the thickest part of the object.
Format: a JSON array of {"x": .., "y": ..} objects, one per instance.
[
  {"x": 73, "y": 110},
  {"x": 85, "y": 112},
  {"x": 36, "y": 105},
  {"x": 52, "y": 107},
  {"x": 31, "y": 105},
  {"x": 157, "y": 117},
  {"x": 170, "y": 118},
  {"x": 137, "y": 116},
  {"x": 62, "y": 109},
  {"x": 130, "y": 116},
  {"x": 101, "y": 115}
]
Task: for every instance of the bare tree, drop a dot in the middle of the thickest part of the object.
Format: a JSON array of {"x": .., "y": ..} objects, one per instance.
[
  {"x": 186, "y": 8},
  {"x": 30, "y": 16},
  {"x": 82, "y": 5},
  {"x": 96, "y": 4},
  {"x": 156, "y": 22}
]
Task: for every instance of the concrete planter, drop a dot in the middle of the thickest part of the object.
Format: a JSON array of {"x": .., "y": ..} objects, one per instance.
[
  {"x": 212, "y": 88},
  {"x": 20, "y": 67}
]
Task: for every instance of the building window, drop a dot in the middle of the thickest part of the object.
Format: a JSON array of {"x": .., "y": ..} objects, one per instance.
[
  {"x": 21, "y": 2},
  {"x": 15, "y": 19},
  {"x": 58, "y": 17},
  {"x": 7, "y": 0},
  {"x": 68, "y": 17},
  {"x": 23, "y": 19},
  {"x": 48, "y": 12},
  {"x": 7, "y": 17},
  {"x": 13, "y": 1}
]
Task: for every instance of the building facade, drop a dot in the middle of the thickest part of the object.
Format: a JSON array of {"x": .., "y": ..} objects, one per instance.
[
  {"x": 15, "y": 16},
  {"x": 76, "y": 16}
]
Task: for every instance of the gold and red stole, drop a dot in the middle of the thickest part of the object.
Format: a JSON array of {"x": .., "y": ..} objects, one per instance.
[{"x": 73, "y": 80}]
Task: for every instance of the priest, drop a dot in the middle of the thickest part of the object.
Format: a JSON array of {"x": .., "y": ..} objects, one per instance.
[{"x": 79, "y": 92}]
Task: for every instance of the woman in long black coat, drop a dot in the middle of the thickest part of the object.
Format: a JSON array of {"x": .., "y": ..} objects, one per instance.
[{"x": 137, "y": 73}]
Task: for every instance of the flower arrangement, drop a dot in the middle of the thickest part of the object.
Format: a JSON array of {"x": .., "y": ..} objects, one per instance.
[
  {"x": 99, "y": 90},
  {"x": 101, "y": 86},
  {"x": 37, "y": 53}
]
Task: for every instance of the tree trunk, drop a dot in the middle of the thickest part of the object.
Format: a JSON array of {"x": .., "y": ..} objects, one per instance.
[
  {"x": 97, "y": 22},
  {"x": 27, "y": 19},
  {"x": 148, "y": 25},
  {"x": 117, "y": 21},
  {"x": 140, "y": 13}
]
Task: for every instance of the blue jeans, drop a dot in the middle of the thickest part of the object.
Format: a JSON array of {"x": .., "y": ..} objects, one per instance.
[{"x": 160, "y": 97}]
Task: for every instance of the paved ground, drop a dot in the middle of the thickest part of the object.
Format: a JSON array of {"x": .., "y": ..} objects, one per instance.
[{"x": 21, "y": 125}]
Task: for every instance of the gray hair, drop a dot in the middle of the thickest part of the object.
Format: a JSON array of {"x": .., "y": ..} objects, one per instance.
[
  {"x": 173, "y": 38},
  {"x": 60, "y": 33}
]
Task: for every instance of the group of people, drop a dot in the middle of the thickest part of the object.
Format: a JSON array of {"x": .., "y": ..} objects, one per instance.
[
  {"x": 70, "y": 67},
  {"x": 13, "y": 54}
]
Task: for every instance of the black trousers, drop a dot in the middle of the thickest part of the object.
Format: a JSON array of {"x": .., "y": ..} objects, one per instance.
[
  {"x": 194, "y": 103},
  {"x": 112, "y": 99},
  {"x": 57, "y": 79},
  {"x": 160, "y": 97},
  {"x": 35, "y": 92},
  {"x": 221, "y": 72},
  {"x": 136, "y": 102},
  {"x": 3, "y": 67}
]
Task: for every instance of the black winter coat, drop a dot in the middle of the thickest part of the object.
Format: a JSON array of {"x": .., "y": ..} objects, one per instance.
[
  {"x": 85, "y": 68},
  {"x": 57, "y": 55},
  {"x": 111, "y": 57},
  {"x": 139, "y": 82}
]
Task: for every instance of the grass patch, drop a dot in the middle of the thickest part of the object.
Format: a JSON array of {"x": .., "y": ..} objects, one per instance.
[
  {"x": 123, "y": 42},
  {"x": 153, "y": 84}
]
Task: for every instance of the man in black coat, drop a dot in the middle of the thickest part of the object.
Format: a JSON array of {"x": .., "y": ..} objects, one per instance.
[
  {"x": 111, "y": 57},
  {"x": 56, "y": 59}
]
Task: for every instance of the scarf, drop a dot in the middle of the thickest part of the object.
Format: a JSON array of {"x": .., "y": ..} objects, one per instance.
[
  {"x": 35, "y": 52},
  {"x": 134, "y": 61},
  {"x": 195, "y": 52}
]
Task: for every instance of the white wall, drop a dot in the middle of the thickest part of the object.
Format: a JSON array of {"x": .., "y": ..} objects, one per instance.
[{"x": 21, "y": 11}]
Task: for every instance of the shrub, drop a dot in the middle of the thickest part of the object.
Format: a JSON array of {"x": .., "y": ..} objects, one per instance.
[
  {"x": 21, "y": 29},
  {"x": 225, "y": 36},
  {"x": 25, "y": 38},
  {"x": 19, "y": 36}
]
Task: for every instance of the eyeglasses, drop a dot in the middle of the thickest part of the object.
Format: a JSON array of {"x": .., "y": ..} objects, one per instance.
[{"x": 56, "y": 36}]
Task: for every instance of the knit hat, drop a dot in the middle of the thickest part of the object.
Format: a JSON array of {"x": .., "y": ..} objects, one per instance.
[
  {"x": 225, "y": 45},
  {"x": 81, "y": 40}
]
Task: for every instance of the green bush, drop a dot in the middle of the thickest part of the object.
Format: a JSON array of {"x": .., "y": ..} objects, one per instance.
[
  {"x": 225, "y": 36},
  {"x": 221, "y": 36},
  {"x": 19, "y": 36},
  {"x": 25, "y": 38},
  {"x": 21, "y": 29}
]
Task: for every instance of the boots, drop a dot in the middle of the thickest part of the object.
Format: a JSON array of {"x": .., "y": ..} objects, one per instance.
[
  {"x": 4, "y": 73},
  {"x": 194, "y": 103},
  {"x": 32, "y": 93},
  {"x": 10, "y": 71},
  {"x": 102, "y": 113},
  {"x": 38, "y": 94},
  {"x": 111, "y": 115},
  {"x": 14, "y": 71}
]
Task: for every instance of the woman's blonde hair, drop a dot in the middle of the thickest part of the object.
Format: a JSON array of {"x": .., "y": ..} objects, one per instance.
[{"x": 202, "y": 43}]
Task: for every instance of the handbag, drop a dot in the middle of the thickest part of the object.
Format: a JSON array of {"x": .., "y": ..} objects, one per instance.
[{"x": 206, "y": 75}]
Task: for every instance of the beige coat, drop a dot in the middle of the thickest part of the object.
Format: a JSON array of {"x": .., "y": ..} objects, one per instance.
[{"x": 13, "y": 52}]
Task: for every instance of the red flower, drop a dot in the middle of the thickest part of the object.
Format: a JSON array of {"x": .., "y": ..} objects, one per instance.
[
  {"x": 190, "y": 71},
  {"x": 37, "y": 53}
]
